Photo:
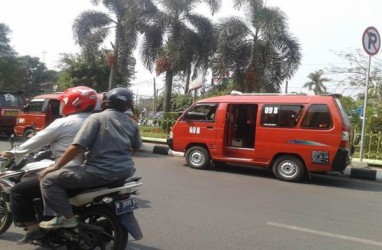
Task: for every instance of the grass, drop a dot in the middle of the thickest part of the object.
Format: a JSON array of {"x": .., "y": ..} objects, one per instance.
[{"x": 153, "y": 132}]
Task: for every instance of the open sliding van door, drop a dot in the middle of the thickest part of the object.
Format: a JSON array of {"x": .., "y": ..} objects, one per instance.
[{"x": 240, "y": 132}]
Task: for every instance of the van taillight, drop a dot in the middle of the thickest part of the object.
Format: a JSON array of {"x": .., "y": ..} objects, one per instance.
[{"x": 344, "y": 138}]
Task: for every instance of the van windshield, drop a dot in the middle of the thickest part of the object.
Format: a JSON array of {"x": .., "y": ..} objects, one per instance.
[{"x": 34, "y": 106}]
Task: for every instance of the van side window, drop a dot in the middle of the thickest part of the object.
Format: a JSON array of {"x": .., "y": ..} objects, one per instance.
[
  {"x": 201, "y": 112},
  {"x": 285, "y": 116},
  {"x": 317, "y": 117}
]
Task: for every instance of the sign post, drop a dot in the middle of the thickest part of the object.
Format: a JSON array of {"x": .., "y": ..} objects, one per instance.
[{"x": 371, "y": 43}]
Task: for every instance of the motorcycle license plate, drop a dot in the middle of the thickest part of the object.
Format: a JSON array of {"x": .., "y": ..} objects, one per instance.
[{"x": 124, "y": 206}]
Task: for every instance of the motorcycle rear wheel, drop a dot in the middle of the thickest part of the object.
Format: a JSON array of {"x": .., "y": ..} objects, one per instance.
[
  {"x": 5, "y": 215},
  {"x": 116, "y": 238}
]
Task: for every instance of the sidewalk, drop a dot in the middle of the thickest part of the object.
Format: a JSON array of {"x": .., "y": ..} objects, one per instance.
[{"x": 367, "y": 169}]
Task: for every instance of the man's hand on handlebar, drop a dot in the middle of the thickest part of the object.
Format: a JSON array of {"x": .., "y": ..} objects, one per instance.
[{"x": 7, "y": 154}]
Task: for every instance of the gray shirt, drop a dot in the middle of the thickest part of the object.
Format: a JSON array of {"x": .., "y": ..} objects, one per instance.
[
  {"x": 59, "y": 135},
  {"x": 109, "y": 137}
]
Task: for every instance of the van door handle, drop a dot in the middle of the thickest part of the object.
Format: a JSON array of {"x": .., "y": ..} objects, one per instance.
[{"x": 210, "y": 127}]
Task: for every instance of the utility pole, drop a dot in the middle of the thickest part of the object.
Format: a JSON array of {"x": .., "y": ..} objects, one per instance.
[
  {"x": 371, "y": 43},
  {"x": 155, "y": 96},
  {"x": 286, "y": 87}
]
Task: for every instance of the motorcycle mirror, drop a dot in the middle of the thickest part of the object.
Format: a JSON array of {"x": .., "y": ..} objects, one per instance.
[{"x": 12, "y": 140}]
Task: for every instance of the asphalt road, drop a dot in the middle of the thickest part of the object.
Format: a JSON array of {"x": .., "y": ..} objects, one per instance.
[{"x": 241, "y": 208}]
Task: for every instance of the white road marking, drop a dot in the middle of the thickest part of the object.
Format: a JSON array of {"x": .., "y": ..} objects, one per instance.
[{"x": 327, "y": 234}]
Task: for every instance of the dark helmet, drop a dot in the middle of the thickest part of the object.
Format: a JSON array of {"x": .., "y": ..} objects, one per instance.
[{"x": 118, "y": 98}]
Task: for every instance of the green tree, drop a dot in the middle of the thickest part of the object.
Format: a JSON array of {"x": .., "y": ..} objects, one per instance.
[
  {"x": 9, "y": 65},
  {"x": 351, "y": 107},
  {"x": 316, "y": 82},
  {"x": 257, "y": 51},
  {"x": 76, "y": 70},
  {"x": 178, "y": 40},
  {"x": 24, "y": 73},
  {"x": 5, "y": 48},
  {"x": 353, "y": 76},
  {"x": 33, "y": 73},
  {"x": 125, "y": 18}
]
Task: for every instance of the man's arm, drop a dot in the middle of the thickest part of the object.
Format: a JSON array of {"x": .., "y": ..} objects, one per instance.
[{"x": 69, "y": 154}]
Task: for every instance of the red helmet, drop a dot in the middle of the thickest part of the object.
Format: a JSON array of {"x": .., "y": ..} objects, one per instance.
[{"x": 77, "y": 99}]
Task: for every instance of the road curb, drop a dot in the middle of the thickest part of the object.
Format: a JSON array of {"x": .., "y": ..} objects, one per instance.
[
  {"x": 364, "y": 173},
  {"x": 160, "y": 149}
]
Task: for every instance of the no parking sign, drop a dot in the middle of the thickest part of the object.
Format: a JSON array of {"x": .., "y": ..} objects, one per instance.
[{"x": 371, "y": 41}]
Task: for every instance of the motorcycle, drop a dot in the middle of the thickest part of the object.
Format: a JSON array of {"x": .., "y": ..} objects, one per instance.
[
  {"x": 12, "y": 173},
  {"x": 106, "y": 213}
]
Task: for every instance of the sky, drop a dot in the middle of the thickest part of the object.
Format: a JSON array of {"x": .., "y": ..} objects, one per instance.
[{"x": 43, "y": 28}]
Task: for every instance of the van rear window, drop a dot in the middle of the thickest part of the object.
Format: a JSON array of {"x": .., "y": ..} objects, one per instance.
[
  {"x": 317, "y": 117},
  {"x": 345, "y": 116},
  {"x": 11, "y": 99},
  {"x": 286, "y": 116}
]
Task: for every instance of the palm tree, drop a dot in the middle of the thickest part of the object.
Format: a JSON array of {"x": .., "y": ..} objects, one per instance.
[
  {"x": 257, "y": 51},
  {"x": 125, "y": 19},
  {"x": 178, "y": 41},
  {"x": 316, "y": 82}
]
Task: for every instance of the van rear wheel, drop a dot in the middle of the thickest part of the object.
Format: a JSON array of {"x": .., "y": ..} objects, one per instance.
[
  {"x": 288, "y": 168},
  {"x": 198, "y": 157}
]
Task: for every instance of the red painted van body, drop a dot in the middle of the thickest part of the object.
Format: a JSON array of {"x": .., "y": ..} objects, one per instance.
[
  {"x": 291, "y": 134},
  {"x": 39, "y": 113},
  {"x": 11, "y": 104}
]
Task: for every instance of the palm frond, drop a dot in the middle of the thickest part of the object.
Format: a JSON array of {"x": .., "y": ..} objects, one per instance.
[
  {"x": 151, "y": 45},
  {"x": 91, "y": 27},
  {"x": 215, "y": 5}
]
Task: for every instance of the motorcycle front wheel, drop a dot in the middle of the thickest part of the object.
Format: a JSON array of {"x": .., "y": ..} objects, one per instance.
[
  {"x": 5, "y": 215},
  {"x": 114, "y": 236}
]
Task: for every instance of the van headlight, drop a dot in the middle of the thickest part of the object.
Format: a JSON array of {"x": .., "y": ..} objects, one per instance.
[{"x": 21, "y": 120}]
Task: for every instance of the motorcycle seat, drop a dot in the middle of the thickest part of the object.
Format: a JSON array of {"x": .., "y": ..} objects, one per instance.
[
  {"x": 74, "y": 192},
  {"x": 118, "y": 183}
]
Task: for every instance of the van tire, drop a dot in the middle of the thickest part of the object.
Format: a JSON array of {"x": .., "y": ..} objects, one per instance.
[
  {"x": 288, "y": 168},
  {"x": 198, "y": 157},
  {"x": 28, "y": 133}
]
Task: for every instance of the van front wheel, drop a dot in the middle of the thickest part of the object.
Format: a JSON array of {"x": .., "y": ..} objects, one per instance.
[
  {"x": 198, "y": 157},
  {"x": 28, "y": 134},
  {"x": 288, "y": 168}
]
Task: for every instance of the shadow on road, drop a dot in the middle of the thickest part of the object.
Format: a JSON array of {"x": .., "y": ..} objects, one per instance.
[
  {"x": 344, "y": 182},
  {"x": 340, "y": 181},
  {"x": 135, "y": 246}
]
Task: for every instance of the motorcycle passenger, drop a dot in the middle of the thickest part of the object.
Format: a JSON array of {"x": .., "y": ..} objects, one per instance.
[
  {"x": 108, "y": 138},
  {"x": 76, "y": 104}
]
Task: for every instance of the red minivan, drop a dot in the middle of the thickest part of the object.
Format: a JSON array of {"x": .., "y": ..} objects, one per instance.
[
  {"x": 11, "y": 103},
  {"x": 39, "y": 113},
  {"x": 290, "y": 134}
]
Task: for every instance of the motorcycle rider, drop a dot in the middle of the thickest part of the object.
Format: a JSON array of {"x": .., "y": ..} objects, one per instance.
[
  {"x": 76, "y": 104},
  {"x": 108, "y": 138}
]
